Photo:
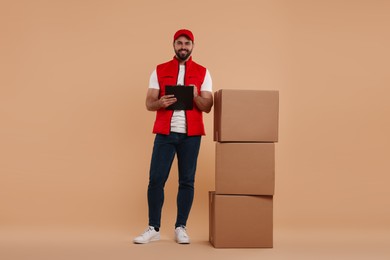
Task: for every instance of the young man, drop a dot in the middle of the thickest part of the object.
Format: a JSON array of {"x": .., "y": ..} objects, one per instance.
[{"x": 178, "y": 132}]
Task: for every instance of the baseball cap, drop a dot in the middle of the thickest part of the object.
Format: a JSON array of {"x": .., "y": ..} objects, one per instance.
[{"x": 184, "y": 32}]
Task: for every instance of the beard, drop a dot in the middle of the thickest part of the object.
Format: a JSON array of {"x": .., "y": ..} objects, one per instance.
[{"x": 183, "y": 55}]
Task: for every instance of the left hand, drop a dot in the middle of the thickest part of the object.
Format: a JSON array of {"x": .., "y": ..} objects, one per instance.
[{"x": 195, "y": 90}]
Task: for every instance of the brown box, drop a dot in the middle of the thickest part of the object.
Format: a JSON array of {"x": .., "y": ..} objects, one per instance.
[
  {"x": 245, "y": 168},
  {"x": 246, "y": 115},
  {"x": 238, "y": 221}
]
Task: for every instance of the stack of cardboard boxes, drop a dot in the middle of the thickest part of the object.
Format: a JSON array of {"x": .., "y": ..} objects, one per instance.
[{"x": 245, "y": 130}]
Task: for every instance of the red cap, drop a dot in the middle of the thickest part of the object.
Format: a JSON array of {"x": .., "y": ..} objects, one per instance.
[{"x": 184, "y": 32}]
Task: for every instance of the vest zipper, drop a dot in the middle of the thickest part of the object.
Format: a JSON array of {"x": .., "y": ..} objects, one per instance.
[{"x": 184, "y": 82}]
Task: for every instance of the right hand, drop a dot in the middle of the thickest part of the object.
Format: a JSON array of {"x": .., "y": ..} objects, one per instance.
[{"x": 167, "y": 100}]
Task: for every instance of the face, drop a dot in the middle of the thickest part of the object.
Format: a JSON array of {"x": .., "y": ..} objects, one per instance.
[{"x": 183, "y": 48}]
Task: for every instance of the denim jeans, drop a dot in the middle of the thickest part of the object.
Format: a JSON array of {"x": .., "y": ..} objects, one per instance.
[{"x": 165, "y": 147}]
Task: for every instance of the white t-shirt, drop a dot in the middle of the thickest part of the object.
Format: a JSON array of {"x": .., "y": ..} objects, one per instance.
[{"x": 178, "y": 121}]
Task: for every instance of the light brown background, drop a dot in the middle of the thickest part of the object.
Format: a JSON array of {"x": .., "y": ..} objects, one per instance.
[{"x": 75, "y": 137}]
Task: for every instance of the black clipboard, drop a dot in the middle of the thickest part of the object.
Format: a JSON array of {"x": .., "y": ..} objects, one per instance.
[{"x": 184, "y": 96}]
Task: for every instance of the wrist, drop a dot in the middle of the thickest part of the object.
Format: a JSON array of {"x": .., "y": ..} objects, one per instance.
[{"x": 159, "y": 104}]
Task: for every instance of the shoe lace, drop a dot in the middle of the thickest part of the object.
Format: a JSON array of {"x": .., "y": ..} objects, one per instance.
[
  {"x": 149, "y": 229},
  {"x": 183, "y": 231}
]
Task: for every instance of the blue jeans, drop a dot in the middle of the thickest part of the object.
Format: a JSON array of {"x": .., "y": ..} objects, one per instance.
[{"x": 164, "y": 150}]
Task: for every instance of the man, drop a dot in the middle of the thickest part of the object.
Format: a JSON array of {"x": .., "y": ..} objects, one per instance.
[{"x": 177, "y": 132}]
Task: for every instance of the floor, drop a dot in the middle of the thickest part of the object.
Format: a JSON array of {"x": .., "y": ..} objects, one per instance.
[{"x": 301, "y": 244}]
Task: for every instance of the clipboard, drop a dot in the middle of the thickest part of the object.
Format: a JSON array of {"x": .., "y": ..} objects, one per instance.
[{"x": 184, "y": 96}]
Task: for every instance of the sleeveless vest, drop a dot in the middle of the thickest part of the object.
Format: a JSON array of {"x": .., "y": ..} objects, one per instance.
[{"x": 167, "y": 74}]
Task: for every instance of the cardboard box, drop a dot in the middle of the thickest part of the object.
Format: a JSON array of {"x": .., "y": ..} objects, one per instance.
[
  {"x": 246, "y": 115},
  {"x": 240, "y": 221},
  {"x": 245, "y": 168}
]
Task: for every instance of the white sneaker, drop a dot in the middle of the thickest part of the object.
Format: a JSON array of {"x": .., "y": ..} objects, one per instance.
[
  {"x": 150, "y": 234},
  {"x": 181, "y": 235}
]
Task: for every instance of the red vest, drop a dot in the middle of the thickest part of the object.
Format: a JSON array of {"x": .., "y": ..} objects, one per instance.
[{"x": 167, "y": 74}]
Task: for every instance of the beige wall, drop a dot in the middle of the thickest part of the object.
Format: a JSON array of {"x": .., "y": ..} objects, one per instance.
[{"x": 75, "y": 137}]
